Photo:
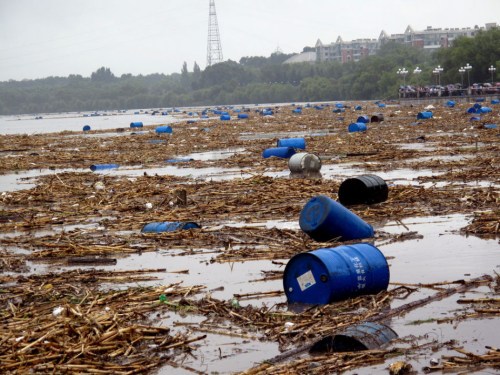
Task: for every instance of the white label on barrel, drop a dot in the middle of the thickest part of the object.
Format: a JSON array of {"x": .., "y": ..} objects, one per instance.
[
  {"x": 360, "y": 271},
  {"x": 306, "y": 280}
]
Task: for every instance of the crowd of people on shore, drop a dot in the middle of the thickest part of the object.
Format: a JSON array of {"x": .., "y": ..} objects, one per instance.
[{"x": 448, "y": 90}]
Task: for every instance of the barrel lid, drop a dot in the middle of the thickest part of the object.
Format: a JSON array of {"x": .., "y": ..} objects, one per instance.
[
  {"x": 314, "y": 213},
  {"x": 306, "y": 280}
]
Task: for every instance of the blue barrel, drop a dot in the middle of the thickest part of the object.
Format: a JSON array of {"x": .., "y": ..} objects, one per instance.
[
  {"x": 297, "y": 111},
  {"x": 179, "y": 160},
  {"x": 339, "y": 110},
  {"x": 364, "y": 119},
  {"x": 278, "y": 152},
  {"x": 324, "y": 219},
  {"x": 477, "y": 106},
  {"x": 168, "y": 226},
  {"x": 480, "y": 100},
  {"x": 292, "y": 142},
  {"x": 364, "y": 336},
  {"x": 242, "y": 115},
  {"x": 358, "y": 108},
  {"x": 450, "y": 103},
  {"x": 163, "y": 129},
  {"x": 424, "y": 115},
  {"x": 381, "y": 105},
  {"x": 490, "y": 126},
  {"x": 339, "y": 105},
  {"x": 495, "y": 101},
  {"x": 318, "y": 107},
  {"x": 136, "y": 124},
  {"x": 364, "y": 189},
  {"x": 475, "y": 118},
  {"x": 357, "y": 127},
  {"x": 267, "y": 112},
  {"x": 485, "y": 110},
  {"x": 86, "y": 128},
  {"x": 472, "y": 110},
  {"x": 100, "y": 167},
  {"x": 335, "y": 274},
  {"x": 225, "y": 117}
]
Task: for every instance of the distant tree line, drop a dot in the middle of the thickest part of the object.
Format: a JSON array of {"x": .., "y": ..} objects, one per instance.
[{"x": 254, "y": 80}]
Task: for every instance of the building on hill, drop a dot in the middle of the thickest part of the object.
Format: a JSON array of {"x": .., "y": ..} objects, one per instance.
[
  {"x": 429, "y": 39},
  {"x": 304, "y": 57}
]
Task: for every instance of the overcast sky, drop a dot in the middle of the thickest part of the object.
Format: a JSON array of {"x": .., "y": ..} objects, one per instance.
[{"x": 41, "y": 38}]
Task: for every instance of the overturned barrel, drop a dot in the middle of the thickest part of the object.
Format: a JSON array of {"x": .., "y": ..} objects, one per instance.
[
  {"x": 225, "y": 117},
  {"x": 495, "y": 101},
  {"x": 242, "y": 116},
  {"x": 169, "y": 226},
  {"x": 379, "y": 117},
  {"x": 357, "y": 127},
  {"x": 485, "y": 110},
  {"x": 100, "y": 167},
  {"x": 425, "y": 115},
  {"x": 303, "y": 162},
  {"x": 297, "y": 111},
  {"x": 364, "y": 189},
  {"x": 163, "y": 129},
  {"x": 323, "y": 219},
  {"x": 334, "y": 274},
  {"x": 450, "y": 103},
  {"x": 278, "y": 152},
  {"x": 292, "y": 142},
  {"x": 86, "y": 128},
  {"x": 364, "y": 119},
  {"x": 136, "y": 124},
  {"x": 364, "y": 336}
]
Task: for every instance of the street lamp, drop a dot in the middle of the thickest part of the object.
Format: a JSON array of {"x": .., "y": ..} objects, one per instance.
[
  {"x": 468, "y": 68},
  {"x": 462, "y": 71},
  {"x": 438, "y": 71},
  {"x": 403, "y": 72},
  {"x": 492, "y": 70},
  {"x": 417, "y": 71}
]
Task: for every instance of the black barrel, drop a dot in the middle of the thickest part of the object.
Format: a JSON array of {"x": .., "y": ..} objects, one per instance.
[
  {"x": 364, "y": 189},
  {"x": 379, "y": 117}
]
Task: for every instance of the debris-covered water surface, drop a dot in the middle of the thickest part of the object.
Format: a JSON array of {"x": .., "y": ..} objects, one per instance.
[{"x": 86, "y": 287}]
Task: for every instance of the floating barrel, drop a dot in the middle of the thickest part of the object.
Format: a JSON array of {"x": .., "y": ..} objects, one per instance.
[
  {"x": 303, "y": 162},
  {"x": 292, "y": 142},
  {"x": 163, "y": 129},
  {"x": 179, "y": 160},
  {"x": 86, "y": 128},
  {"x": 364, "y": 336},
  {"x": 472, "y": 110},
  {"x": 425, "y": 115},
  {"x": 450, "y": 103},
  {"x": 339, "y": 105},
  {"x": 358, "y": 108},
  {"x": 323, "y": 219},
  {"x": 477, "y": 106},
  {"x": 377, "y": 118},
  {"x": 495, "y": 101},
  {"x": 335, "y": 274},
  {"x": 168, "y": 226},
  {"x": 136, "y": 124},
  {"x": 475, "y": 118},
  {"x": 485, "y": 110},
  {"x": 490, "y": 126},
  {"x": 381, "y": 105},
  {"x": 297, "y": 111},
  {"x": 100, "y": 167},
  {"x": 364, "y": 119},
  {"x": 357, "y": 127},
  {"x": 279, "y": 152},
  {"x": 225, "y": 117},
  {"x": 364, "y": 189},
  {"x": 242, "y": 115}
]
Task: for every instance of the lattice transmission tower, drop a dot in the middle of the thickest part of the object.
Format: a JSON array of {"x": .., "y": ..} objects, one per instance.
[{"x": 214, "y": 49}]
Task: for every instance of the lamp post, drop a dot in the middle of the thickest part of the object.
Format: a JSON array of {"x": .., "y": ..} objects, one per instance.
[
  {"x": 492, "y": 70},
  {"x": 403, "y": 72},
  {"x": 438, "y": 71},
  {"x": 462, "y": 71},
  {"x": 417, "y": 71},
  {"x": 467, "y": 69}
]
